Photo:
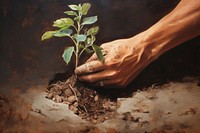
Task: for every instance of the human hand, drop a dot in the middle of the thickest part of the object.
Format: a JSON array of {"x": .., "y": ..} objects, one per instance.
[{"x": 124, "y": 59}]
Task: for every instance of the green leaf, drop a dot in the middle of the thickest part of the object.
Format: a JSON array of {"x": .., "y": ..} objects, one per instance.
[
  {"x": 62, "y": 33},
  {"x": 80, "y": 38},
  {"x": 93, "y": 30},
  {"x": 98, "y": 52},
  {"x": 85, "y": 8},
  {"x": 81, "y": 46},
  {"x": 93, "y": 38},
  {"x": 74, "y": 7},
  {"x": 89, "y": 51},
  {"x": 48, "y": 35},
  {"x": 67, "y": 55},
  {"x": 63, "y": 22},
  {"x": 89, "y": 41},
  {"x": 71, "y": 13},
  {"x": 89, "y": 20},
  {"x": 77, "y": 18}
]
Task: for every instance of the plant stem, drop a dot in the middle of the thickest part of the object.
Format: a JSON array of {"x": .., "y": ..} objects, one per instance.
[
  {"x": 78, "y": 29},
  {"x": 83, "y": 51},
  {"x": 77, "y": 58},
  {"x": 73, "y": 39},
  {"x": 77, "y": 51}
]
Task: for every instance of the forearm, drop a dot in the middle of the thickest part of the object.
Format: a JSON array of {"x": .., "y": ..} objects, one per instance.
[{"x": 182, "y": 24}]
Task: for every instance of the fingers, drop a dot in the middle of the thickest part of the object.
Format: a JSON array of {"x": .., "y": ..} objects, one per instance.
[
  {"x": 89, "y": 67},
  {"x": 92, "y": 58},
  {"x": 95, "y": 77},
  {"x": 101, "y": 79}
]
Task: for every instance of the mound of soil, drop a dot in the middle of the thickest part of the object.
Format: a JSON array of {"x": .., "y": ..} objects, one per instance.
[{"x": 82, "y": 100}]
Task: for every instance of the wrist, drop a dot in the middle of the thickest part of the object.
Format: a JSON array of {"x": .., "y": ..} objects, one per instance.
[
  {"x": 150, "y": 47},
  {"x": 156, "y": 40},
  {"x": 137, "y": 48}
]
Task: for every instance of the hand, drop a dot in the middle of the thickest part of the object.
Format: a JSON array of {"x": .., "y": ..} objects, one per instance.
[{"x": 124, "y": 59}]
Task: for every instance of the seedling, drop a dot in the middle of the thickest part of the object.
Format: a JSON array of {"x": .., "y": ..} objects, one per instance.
[{"x": 76, "y": 27}]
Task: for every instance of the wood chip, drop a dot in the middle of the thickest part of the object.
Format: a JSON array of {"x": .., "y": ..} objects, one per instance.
[
  {"x": 71, "y": 99},
  {"x": 96, "y": 98}
]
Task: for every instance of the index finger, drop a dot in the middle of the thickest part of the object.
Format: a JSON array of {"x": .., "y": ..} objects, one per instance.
[
  {"x": 92, "y": 58},
  {"x": 89, "y": 67}
]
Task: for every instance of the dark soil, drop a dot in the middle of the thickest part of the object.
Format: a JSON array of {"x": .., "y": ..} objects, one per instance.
[{"x": 82, "y": 100}]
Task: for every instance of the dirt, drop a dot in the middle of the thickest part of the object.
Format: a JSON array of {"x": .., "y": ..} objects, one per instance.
[
  {"x": 82, "y": 100},
  {"x": 172, "y": 107}
]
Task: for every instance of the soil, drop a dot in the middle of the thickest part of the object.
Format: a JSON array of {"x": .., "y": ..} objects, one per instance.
[{"x": 82, "y": 100}]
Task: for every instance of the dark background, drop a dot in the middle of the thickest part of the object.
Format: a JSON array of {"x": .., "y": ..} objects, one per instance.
[{"x": 24, "y": 57}]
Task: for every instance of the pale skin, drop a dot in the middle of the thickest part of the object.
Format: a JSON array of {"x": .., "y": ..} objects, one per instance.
[{"x": 125, "y": 58}]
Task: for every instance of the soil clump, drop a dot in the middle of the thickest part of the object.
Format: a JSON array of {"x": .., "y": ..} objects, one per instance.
[{"x": 82, "y": 100}]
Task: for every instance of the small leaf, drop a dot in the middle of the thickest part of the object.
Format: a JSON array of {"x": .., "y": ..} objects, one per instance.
[
  {"x": 74, "y": 7},
  {"x": 98, "y": 52},
  {"x": 63, "y": 22},
  {"x": 62, "y": 33},
  {"x": 89, "y": 20},
  {"x": 48, "y": 35},
  {"x": 93, "y": 30},
  {"x": 80, "y": 38},
  {"x": 80, "y": 8},
  {"x": 81, "y": 46},
  {"x": 89, "y": 51},
  {"x": 85, "y": 8},
  {"x": 67, "y": 55},
  {"x": 71, "y": 13},
  {"x": 93, "y": 38},
  {"x": 64, "y": 28},
  {"x": 77, "y": 18},
  {"x": 89, "y": 41}
]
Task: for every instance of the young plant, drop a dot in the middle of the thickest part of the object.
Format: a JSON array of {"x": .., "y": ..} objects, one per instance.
[{"x": 76, "y": 27}]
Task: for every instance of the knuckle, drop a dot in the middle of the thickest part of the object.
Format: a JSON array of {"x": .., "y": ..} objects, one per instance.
[{"x": 111, "y": 62}]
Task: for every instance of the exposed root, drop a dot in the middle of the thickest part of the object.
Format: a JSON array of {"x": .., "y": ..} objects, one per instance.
[{"x": 73, "y": 92}]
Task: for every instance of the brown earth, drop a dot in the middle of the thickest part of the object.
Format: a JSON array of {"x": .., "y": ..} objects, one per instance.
[
  {"x": 82, "y": 100},
  {"x": 171, "y": 107}
]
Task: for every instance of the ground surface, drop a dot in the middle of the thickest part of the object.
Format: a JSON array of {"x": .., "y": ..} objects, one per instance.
[{"x": 171, "y": 107}]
